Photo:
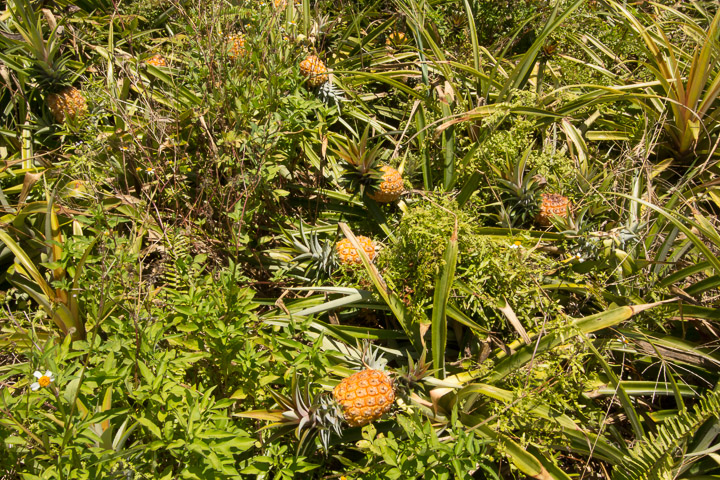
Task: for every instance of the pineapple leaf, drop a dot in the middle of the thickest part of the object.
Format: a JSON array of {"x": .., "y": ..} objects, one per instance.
[{"x": 43, "y": 60}]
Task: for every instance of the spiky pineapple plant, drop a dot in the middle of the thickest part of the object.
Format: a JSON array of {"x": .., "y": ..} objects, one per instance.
[
  {"x": 382, "y": 183},
  {"x": 519, "y": 193},
  {"x": 330, "y": 95},
  {"x": 41, "y": 60},
  {"x": 349, "y": 255},
  {"x": 309, "y": 416},
  {"x": 315, "y": 70},
  {"x": 359, "y": 399},
  {"x": 304, "y": 255}
]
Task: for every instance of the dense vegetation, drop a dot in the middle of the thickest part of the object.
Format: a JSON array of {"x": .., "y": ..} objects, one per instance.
[{"x": 215, "y": 214}]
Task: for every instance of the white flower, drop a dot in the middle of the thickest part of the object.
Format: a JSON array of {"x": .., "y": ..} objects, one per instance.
[
  {"x": 43, "y": 380},
  {"x": 516, "y": 244}
]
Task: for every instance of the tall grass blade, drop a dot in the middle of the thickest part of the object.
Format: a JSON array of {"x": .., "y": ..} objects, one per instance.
[
  {"x": 468, "y": 189},
  {"x": 473, "y": 35},
  {"x": 443, "y": 286},
  {"x": 521, "y": 458},
  {"x": 583, "y": 325},
  {"x": 426, "y": 164},
  {"x": 412, "y": 329},
  {"x": 620, "y": 392},
  {"x": 521, "y": 72}
]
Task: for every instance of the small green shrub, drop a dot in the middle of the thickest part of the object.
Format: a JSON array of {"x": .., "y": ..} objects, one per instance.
[{"x": 489, "y": 269}]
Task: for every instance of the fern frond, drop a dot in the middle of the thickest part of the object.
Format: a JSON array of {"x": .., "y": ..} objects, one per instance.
[
  {"x": 657, "y": 457},
  {"x": 178, "y": 250}
]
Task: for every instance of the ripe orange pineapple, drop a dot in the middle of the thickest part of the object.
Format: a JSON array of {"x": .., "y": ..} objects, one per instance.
[
  {"x": 358, "y": 399},
  {"x": 54, "y": 72},
  {"x": 349, "y": 255},
  {"x": 67, "y": 103},
  {"x": 156, "y": 61},
  {"x": 316, "y": 71},
  {"x": 365, "y": 396},
  {"x": 235, "y": 45},
  {"x": 391, "y": 186},
  {"x": 553, "y": 204}
]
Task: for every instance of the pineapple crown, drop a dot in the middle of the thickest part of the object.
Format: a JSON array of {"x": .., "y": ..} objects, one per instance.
[
  {"x": 322, "y": 25},
  {"x": 366, "y": 355},
  {"x": 315, "y": 258},
  {"x": 362, "y": 161},
  {"x": 519, "y": 191},
  {"x": 410, "y": 376},
  {"x": 329, "y": 95},
  {"x": 53, "y": 76},
  {"x": 358, "y": 155},
  {"x": 309, "y": 416},
  {"x": 303, "y": 254},
  {"x": 51, "y": 70}
]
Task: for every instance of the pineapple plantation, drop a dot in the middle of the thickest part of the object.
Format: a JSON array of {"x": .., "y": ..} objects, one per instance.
[{"x": 370, "y": 240}]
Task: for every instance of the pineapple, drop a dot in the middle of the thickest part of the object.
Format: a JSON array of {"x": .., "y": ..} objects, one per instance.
[
  {"x": 391, "y": 188},
  {"x": 358, "y": 399},
  {"x": 156, "y": 61},
  {"x": 316, "y": 71},
  {"x": 40, "y": 59},
  {"x": 552, "y": 204},
  {"x": 383, "y": 184},
  {"x": 367, "y": 395},
  {"x": 348, "y": 254},
  {"x": 68, "y": 103},
  {"x": 235, "y": 45}
]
